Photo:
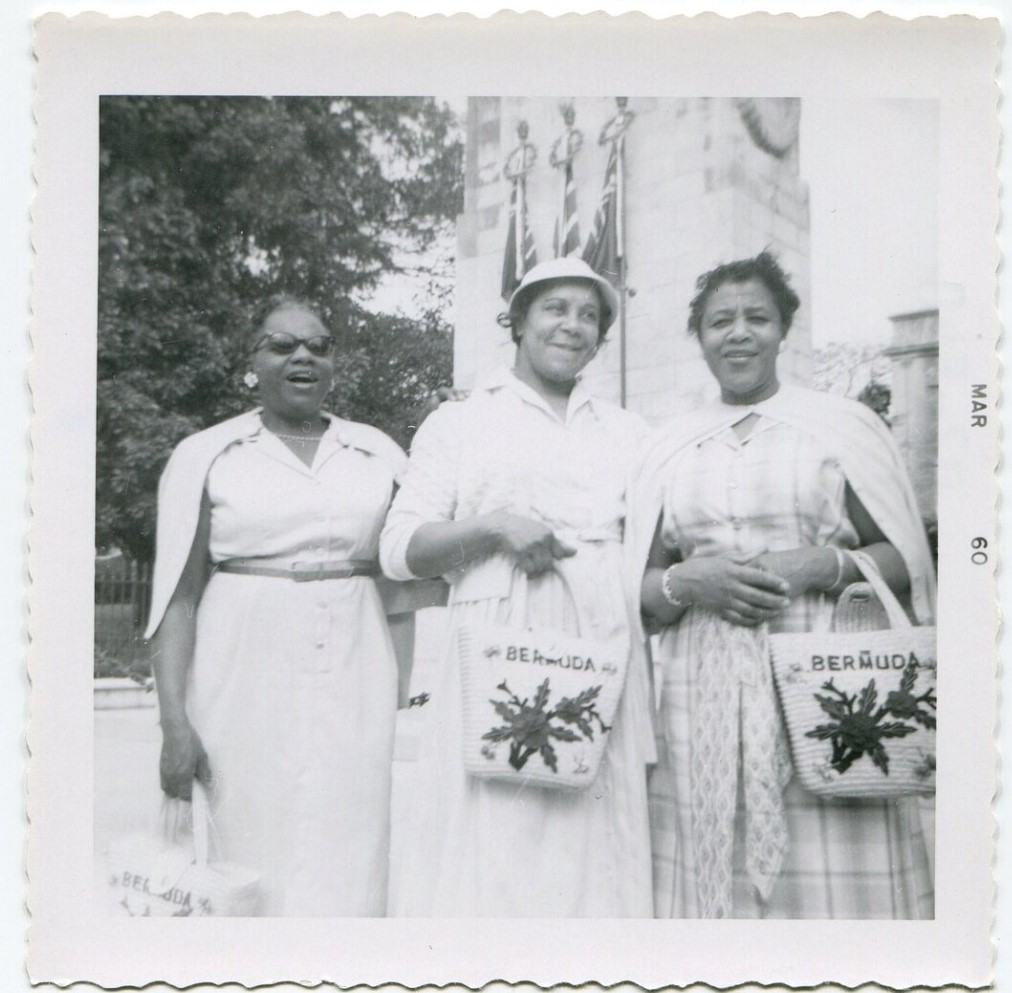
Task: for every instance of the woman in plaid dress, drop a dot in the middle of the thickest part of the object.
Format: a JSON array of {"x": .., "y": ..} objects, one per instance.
[{"x": 752, "y": 502}]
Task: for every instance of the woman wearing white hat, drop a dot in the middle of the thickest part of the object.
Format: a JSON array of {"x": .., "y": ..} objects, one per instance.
[{"x": 516, "y": 496}]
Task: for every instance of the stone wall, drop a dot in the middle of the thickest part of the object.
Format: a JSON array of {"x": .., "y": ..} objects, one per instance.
[{"x": 914, "y": 408}]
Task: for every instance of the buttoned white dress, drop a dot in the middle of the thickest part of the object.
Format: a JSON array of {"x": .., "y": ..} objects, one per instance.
[
  {"x": 480, "y": 848},
  {"x": 293, "y": 684}
]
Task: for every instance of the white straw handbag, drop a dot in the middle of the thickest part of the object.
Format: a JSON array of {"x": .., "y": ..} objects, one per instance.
[
  {"x": 161, "y": 874},
  {"x": 860, "y": 705},
  {"x": 538, "y": 704}
]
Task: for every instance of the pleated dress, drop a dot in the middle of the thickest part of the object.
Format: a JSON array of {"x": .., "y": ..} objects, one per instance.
[{"x": 293, "y": 684}]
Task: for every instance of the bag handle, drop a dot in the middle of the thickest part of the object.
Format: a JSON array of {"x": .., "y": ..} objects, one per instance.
[
  {"x": 868, "y": 568},
  {"x": 176, "y": 815},
  {"x": 522, "y": 577},
  {"x": 200, "y": 808},
  {"x": 176, "y": 857}
]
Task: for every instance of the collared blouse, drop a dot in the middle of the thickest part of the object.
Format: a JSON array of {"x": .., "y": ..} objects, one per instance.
[
  {"x": 266, "y": 503},
  {"x": 504, "y": 449},
  {"x": 183, "y": 481}
]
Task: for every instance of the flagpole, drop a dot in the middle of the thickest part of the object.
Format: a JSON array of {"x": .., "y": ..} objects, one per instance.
[
  {"x": 564, "y": 150},
  {"x": 521, "y": 227},
  {"x": 620, "y": 240},
  {"x": 560, "y": 230},
  {"x": 614, "y": 132},
  {"x": 515, "y": 168}
]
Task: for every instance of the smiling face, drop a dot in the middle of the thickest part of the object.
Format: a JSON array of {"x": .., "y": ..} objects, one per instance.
[
  {"x": 293, "y": 386},
  {"x": 741, "y": 331},
  {"x": 559, "y": 335}
]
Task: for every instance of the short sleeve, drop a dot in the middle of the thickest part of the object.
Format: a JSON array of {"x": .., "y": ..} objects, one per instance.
[
  {"x": 377, "y": 444},
  {"x": 428, "y": 490},
  {"x": 832, "y": 524},
  {"x": 671, "y": 494},
  {"x": 668, "y": 527}
]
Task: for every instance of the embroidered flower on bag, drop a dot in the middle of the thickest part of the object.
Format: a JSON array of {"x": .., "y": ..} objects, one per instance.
[
  {"x": 903, "y": 704},
  {"x": 530, "y": 727},
  {"x": 925, "y": 769},
  {"x": 859, "y": 726}
]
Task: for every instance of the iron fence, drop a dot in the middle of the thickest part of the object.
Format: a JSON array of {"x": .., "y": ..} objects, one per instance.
[{"x": 122, "y": 601}]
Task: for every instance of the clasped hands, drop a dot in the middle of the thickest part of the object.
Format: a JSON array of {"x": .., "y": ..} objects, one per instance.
[
  {"x": 742, "y": 591},
  {"x": 753, "y": 590}
]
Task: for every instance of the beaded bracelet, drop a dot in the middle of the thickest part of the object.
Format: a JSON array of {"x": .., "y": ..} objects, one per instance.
[{"x": 669, "y": 593}]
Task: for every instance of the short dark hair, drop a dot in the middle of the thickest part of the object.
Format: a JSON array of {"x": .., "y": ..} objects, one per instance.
[
  {"x": 765, "y": 268},
  {"x": 283, "y": 301},
  {"x": 521, "y": 303}
]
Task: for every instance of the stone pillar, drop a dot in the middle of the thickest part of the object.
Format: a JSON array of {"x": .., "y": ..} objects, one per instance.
[
  {"x": 707, "y": 181},
  {"x": 913, "y": 412}
]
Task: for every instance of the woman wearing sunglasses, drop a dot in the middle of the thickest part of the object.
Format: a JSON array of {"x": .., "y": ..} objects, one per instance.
[{"x": 275, "y": 672}]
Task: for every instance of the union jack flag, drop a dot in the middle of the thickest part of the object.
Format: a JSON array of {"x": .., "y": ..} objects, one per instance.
[
  {"x": 520, "y": 254},
  {"x": 604, "y": 245}
]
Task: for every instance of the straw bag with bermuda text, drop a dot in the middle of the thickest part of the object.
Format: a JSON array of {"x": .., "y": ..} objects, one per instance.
[
  {"x": 860, "y": 705},
  {"x": 538, "y": 704},
  {"x": 165, "y": 874}
]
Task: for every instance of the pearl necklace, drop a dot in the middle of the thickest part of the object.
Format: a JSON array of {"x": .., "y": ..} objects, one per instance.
[{"x": 301, "y": 438}]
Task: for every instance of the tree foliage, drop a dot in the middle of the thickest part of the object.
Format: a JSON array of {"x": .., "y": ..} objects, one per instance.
[
  {"x": 210, "y": 205},
  {"x": 843, "y": 368},
  {"x": 859, "y": 372},
  {"x": 879, "y": 397}
]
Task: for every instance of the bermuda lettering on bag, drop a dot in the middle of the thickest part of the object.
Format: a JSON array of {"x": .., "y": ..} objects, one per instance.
[
  {"x": 142, "y": 884},
  {"x": 863, "y": 660},
  {"x": 521, "y": 653}
]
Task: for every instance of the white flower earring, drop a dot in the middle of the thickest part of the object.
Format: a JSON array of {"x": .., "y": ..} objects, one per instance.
[{"x": 251, "y": 379}]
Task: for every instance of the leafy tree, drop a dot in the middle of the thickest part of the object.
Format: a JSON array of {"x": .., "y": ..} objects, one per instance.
[
  {"x": 862, "y": 373},
  {"x": 878, "y": 396},
  {"x": 210, "y": 205},
  {"x": 389, "y": 368},
  {"x": 840, "y": 367}
]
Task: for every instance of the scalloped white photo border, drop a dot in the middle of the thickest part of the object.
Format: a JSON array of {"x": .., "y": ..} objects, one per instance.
[{"x": 952, "y": 61}]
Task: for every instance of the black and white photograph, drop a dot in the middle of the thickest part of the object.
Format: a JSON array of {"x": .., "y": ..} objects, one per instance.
[{"x": 520, "y": 514}]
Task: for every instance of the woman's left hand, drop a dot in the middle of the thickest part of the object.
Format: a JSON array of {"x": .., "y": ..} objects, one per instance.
[{"x": 804, "y": 569}]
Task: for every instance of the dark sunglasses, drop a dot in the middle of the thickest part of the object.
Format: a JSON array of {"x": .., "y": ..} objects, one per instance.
[{"x": 283, "y": 343}]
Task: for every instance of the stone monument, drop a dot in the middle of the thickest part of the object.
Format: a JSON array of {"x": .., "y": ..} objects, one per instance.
[{"x": 706, "y": 180}]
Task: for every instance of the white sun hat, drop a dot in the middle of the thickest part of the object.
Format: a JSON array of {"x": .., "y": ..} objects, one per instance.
[{"x": 571, "y": 268}]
